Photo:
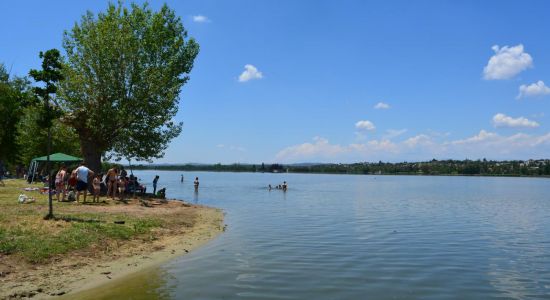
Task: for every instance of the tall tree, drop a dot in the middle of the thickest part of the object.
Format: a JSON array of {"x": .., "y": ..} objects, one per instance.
[
  {"x": 124, "y": 71},
  {"x": 14, "y": 96},
  {"x": 49, "y": 76},
  {"x": 32, "y": 139}
]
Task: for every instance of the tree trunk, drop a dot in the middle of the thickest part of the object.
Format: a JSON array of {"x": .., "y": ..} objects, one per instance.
[
  {"x": 49, "y": 170},
  {"x": 91, "y": 153}
]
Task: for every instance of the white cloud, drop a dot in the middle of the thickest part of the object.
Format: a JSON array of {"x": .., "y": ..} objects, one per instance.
[
  {"x": 250, "y": 72},
  {"x": 502, "y": 120},
  {"x": 495, "y": 146},
  {"x": 393, "y": 133},
  {"x": 365, "y": 125},
  {"x": 319, "y": 148},
  {"x": 200, "y": 19},
  {"x": 507, "y": 62},
  {"x": 482, "y": 136},
  {"x": 422, "y": 147},
  {"x": 419, "y": 140},
  {"x": 533, "y": 90},
  {"x": 381, "y": 105}
]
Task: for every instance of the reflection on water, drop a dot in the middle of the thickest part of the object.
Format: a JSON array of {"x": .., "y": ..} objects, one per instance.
[
  {"x": 351, "y": 237},
  {"x": 196, "y": 196}
]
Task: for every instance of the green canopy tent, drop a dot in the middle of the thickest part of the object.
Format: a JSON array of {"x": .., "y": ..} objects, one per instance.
[{"x": 56, "y": 157}]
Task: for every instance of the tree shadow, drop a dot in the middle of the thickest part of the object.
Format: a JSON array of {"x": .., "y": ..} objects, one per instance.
[{"x": 76, "y": 219}]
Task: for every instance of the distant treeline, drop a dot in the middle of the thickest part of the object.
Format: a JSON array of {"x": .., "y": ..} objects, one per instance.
[{"x": 483, "y": 167}]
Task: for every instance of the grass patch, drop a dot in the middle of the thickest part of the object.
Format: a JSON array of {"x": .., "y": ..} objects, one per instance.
[{"x": 24, "y": 232}]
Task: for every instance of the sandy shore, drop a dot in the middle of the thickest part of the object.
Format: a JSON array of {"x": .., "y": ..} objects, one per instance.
[{"x": 84, "y": 270}]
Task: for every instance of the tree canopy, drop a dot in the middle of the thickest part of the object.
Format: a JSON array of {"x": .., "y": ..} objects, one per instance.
[
  {"x": 123, "y": 74},
  {"x": 14, "y": 96}
]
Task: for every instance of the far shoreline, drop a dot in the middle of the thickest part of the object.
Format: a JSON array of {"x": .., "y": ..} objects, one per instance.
[{"x": 340, "y": 173}]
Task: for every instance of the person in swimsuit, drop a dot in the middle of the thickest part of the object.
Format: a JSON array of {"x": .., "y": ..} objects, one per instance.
[
  {"x": 97, "y": 187},
  {"x": 196, "y": 183},
  {"x": 60, "y": 182},
  {"x": 122, "y": 187},
  {"x": 112, "y": 175}
]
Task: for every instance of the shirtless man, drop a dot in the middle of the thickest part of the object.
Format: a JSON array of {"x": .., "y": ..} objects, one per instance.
[{"x": 112, "y": 175}]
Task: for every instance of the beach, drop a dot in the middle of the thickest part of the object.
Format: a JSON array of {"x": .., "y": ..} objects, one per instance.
[{"x": 181, "y": 228}]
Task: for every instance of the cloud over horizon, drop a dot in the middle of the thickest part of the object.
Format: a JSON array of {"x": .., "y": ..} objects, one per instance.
[
  {"x": 502, "y": 120},
  {"x": 507, "y": 62},
  {"x": 421, "y": 147}
]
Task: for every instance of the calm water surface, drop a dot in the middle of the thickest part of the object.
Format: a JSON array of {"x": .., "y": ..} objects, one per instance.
[{"x": 358, "y": 237}]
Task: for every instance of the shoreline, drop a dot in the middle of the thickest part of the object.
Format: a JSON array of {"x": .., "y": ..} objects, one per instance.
[
  {"x": 86, "y": 269},
  {"x": 172, "y": 247}
]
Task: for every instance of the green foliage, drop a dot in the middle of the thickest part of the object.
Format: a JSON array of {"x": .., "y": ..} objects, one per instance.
[
  {"x": 14, "y": 96},
  {"x": 50, "y": 75},
  {"x": 32, "y": 139},
  {"x": 124, "y": 71}
]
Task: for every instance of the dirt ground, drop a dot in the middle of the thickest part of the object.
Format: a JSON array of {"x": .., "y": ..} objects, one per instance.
[{"x": 189, "y": 227}]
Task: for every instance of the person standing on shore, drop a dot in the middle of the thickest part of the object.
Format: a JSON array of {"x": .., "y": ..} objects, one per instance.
[
  {"x": 155, "y": 181},
  {"x": 123, "y": 172},
  {"x": 122, "y": 183},
  {"x": 60, "y": 182},
  {"x": 112, "y": 175},
  {"x": 82, "y": 175},
  {"x": 97, "y": 187}
]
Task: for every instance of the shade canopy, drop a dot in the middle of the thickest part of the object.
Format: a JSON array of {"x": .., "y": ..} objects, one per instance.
[{"x": 58, "y": 157}]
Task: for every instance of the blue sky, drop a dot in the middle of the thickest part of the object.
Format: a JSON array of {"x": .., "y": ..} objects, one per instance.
[{"x": 341, "y": 81}]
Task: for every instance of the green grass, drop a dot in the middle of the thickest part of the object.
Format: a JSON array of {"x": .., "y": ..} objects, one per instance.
[{"x": 25, "y": 233}]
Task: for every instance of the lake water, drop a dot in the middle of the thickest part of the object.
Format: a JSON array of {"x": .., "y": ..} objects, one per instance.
[{"x": 358, "y": 237}]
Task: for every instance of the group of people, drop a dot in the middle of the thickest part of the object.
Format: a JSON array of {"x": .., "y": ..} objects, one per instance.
[
  {"x": 283, "y": 186},
  {"x": 82, "y": 179},
  {"x": 77, "y": 180},
  {"x": 115, "y": 182}
]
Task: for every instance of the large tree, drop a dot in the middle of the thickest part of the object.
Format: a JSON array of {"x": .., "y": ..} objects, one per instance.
[
  {"x": 124, "y": 71},
  {"x": 14, "y": 96},
  {"x": 32, "y": 138}
]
